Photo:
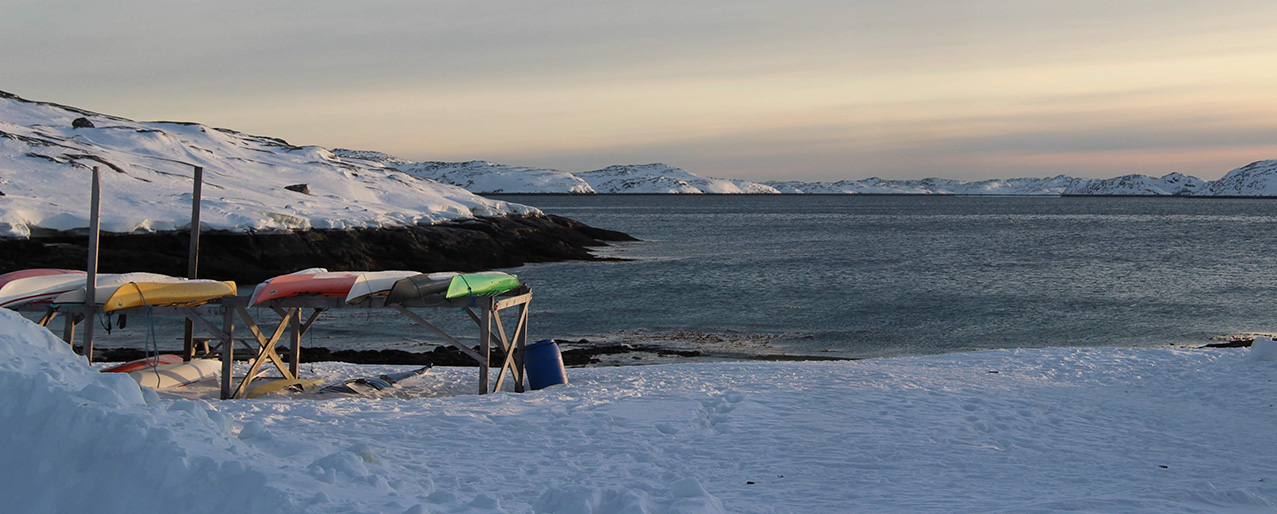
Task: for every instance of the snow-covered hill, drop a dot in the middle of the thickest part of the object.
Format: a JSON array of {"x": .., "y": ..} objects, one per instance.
[
  {"x": 1254, "y": 179},
  {"x": 930, "y": 186},
  {"x": 662, "y": 178},
  {"x": 1138, "y": 185},
  {"x": 480, "y": 177},
  {"x": 147, "y": 169}
]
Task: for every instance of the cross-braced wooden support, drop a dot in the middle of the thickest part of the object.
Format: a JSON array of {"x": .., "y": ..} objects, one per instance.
[{"x": 485, "y": 311}]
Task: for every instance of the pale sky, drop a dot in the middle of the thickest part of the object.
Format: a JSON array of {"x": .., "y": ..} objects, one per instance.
[{"x": 783, "y": 90}]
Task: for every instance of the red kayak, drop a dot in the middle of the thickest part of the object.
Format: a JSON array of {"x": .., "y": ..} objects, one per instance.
[
  {"x": 167, "y": 358},
  {"x": 328, "y": 283}
]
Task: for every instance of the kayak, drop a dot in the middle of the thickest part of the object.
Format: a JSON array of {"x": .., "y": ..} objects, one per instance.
[
  {"x": 39, "y": 289},
  {"x": 275, "y": 386},
  {"x": 34, "y": 272},
  {"x": 361, "y": 386},
  {"x": 107, "y": 283},
  {"x": 370, "y": 283},
  {"x": 167, "y": 358},
  {"x": 487, "y": 283},
  {"x": 328, "y": 283},
  {"x": 177, "y": 375},
  {"x": 185, "y": 293}
]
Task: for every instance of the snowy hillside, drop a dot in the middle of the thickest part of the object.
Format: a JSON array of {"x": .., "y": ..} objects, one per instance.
[
  {"x": 662, "y": 178},
  {"x": 480, "y": 177},
  {"x": 147, "y": 169},
  {"x": 1254, "y": 179},
  {"x": 930, "y": 186},
  {"x": 1138, "y": 185}
]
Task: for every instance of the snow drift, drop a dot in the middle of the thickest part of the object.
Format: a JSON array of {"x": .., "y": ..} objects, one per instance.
[
  {"x": 76, "y": 440},
  {"x": 1151, "y": 430}
]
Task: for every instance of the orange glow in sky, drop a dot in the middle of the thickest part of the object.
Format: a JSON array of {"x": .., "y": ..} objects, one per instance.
[{"x": 801, "y": 90}]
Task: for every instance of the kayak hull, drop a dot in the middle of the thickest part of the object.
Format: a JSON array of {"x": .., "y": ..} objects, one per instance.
[
  {"x": 169, "y": 376},
  {"x": 451, "y": 285},
  {"x": 186, "y": 293},
  {"x": 131, "y": 366}
]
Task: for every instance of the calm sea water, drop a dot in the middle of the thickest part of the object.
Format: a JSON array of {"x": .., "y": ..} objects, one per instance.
[
  {"x": 864, "y": 276},
  {"x": 894, "y": 275}
]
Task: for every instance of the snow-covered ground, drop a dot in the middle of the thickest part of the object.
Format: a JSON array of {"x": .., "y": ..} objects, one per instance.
[
  {"x": 1154, "y": 430},
  {"x": 147, "y": 168}
]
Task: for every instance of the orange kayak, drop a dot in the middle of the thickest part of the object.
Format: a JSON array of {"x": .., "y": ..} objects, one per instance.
[{"x": 328, "y": 283}]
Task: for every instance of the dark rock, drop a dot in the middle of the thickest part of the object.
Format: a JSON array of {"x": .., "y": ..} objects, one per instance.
[
  {"x": 81, "y": 123},
  {"x": 249, "y": 258},
  {"x": 300, "y": 188},
  {"x": 1235, "y": 343}
]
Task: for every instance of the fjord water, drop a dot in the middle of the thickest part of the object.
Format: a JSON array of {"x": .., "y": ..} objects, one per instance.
[{"x": 864, "y": 276}]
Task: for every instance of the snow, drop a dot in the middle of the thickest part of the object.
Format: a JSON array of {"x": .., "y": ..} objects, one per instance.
[
  {"x": 660, "y": 178},
  {"x": 147, "y": 171},
  {"x": 1139, "y": 185},
  {"x": 1156, "y": 430},
  {"x": 147, "y": 175},
  {"x": 481, "y": 177},
  {"x": 1254, "y": 179}
]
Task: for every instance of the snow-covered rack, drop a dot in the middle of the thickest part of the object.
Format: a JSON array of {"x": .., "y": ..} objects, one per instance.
[{"x": 220, "y": 339}]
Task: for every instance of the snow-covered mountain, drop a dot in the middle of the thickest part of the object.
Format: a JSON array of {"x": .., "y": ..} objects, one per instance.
[
  {"x": 662, "y": 178},
  {"x": 47, "y": 150},
  {"x": 1052, "y": 186},
  {"x": 480, "y": 177},
  {"x": 1138, "y": 185},
  {"x": 1254, "y": 179}
]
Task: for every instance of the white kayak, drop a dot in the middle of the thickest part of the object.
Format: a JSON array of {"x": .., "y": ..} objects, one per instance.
[
  {"x": 107, "y": 283},
  {"x": 41, "y": 289},
  {"x": 375, "y": 282},
  {"x": 177, "y": 375}
]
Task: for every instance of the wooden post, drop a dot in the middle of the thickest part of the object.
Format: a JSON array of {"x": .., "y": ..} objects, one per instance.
[
  {"x": 68, "y": 329},
  {"x": 192, "y": 259},
  {"x": 520, "y": 343},
  {"x": 485, "y": 347},
  {"x": 90, "y": 287},
  {"x": 228, "y": 348},
  {"x": 295, "y": 339}
]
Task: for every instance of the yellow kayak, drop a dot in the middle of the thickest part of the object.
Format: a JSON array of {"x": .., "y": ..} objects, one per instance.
[
  {"x": 275, "y": 386},
  {"x": 185, "y": 293}
]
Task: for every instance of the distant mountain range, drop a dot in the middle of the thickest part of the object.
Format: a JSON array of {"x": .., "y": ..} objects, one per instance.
[
  {"x": 1258, "y": 179},
  {"x": 263, "y": 183}
]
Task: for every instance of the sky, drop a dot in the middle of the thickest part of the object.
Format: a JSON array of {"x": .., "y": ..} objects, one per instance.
[{"x": 759, "y": 90}]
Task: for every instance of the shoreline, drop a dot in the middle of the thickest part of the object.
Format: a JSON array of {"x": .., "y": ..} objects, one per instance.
[
  {"x": 601, "y": 355},
  {"x": 252, "y": 257}
]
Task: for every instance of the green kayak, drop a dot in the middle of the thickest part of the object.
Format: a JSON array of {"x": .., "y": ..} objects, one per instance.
[{"x": 487, "y": 283}]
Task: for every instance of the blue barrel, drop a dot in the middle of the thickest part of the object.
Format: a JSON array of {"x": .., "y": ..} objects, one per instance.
[{"x": 544, "y": 364}]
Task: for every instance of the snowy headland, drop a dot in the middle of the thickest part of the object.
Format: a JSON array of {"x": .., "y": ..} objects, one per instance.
[
  {"x": 264, "y": 184},
  {"x": 1150, "y": 430}
]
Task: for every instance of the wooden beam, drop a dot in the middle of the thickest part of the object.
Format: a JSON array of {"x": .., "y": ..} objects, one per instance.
[
  {"x": 212, "y": 329},
  {"x": 295, "y": 340},
  {"x": 91, "y": 278},
  {"x": 68, "y": 329},
  {"x": 228, "y": 350},
  {"x": 521, "y": 339},
  {"x": 49, "y": 314},
  {"x": 512, "y": 301},
  {"x": 451, "y": 340},
  {"x": 266, "y": 347},
  {"x": 485, "y": 348}
]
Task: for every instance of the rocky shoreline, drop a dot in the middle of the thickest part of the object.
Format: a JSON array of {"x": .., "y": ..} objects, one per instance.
[
  {"x": 601, "y": 354},
  {"x": 249, "y": 258}
]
